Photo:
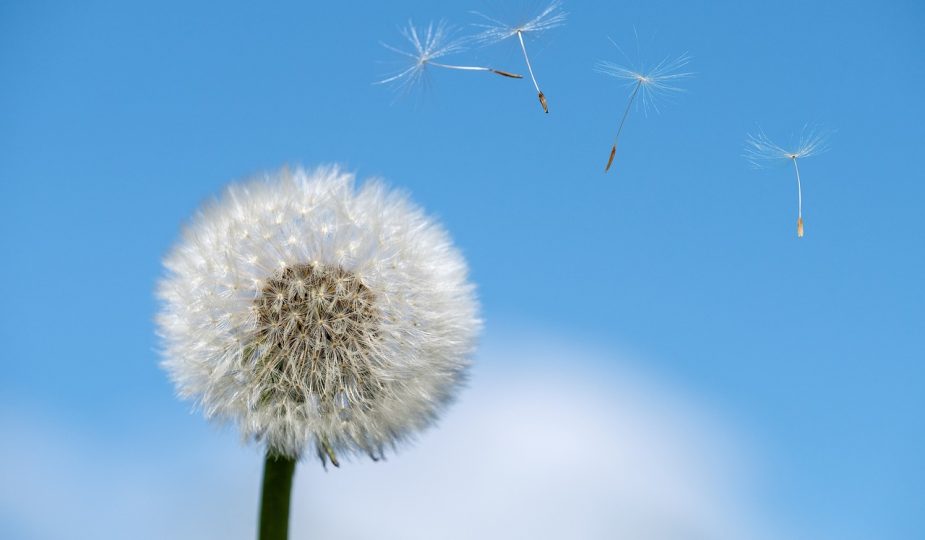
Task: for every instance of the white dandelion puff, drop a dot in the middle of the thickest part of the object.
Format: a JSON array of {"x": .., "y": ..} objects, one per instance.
[
  {"x": 427, "y": 46},
  {"x": 494, "y": 30},
  {"x": 762, "y": 152},
  {"x": 309, "y": 312},
  {"x": 647, "y": 82}
]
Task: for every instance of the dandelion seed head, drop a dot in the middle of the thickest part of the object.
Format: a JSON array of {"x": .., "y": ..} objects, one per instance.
[
  {"x": 312, "y": 313},
  {"x": 762, "y": 152},
  {"x": 494, "y": 30}
]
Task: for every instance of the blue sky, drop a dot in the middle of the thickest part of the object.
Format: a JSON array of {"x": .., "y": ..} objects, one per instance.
[{"x": 117, "y": 121}]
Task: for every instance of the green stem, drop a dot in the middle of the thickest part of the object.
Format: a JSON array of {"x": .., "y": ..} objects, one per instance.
[{"x": 274, "y": 504}]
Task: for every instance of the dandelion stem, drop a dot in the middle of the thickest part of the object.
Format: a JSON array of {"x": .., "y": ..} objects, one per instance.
[
  {"x": 613, "y": 149},
  {"x": 478, "y": 68},
  {"x": 274, "y": 504},
  {"x": 799, "y": 199},
  {"x": 539, "y": 92}
]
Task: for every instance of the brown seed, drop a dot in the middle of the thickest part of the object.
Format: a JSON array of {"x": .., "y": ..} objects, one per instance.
[
  {"x": 543, "y": 102},
  {"x": 800, "y": 227},
  {"x": 613, "y": 152},
  {"x": 507, "y": 74}
]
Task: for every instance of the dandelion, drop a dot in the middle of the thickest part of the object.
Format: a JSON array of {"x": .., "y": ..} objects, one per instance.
[
  {"x": 314, "y": 315},
  {"x": 427, "y": 46},
  {"x": 760, "y": 151},
  {"x": 494, "y": 31},
  {"x": 646, "y": 82}
]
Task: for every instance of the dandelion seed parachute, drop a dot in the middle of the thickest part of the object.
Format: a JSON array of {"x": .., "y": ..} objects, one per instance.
[
  {"x": 761, "y": 152},
  {"x": 428, "y": 44},
  {"x": 494, "y": 30},
  {"x": 313, "y": 313},
  {"x": 647, "y": 84}
]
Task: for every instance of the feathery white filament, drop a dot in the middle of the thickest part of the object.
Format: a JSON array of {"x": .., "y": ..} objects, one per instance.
[
  {"x": 761, "y": 151},
  {"x": 494, "y": 30},
  {"x": 310, "y": 312}
]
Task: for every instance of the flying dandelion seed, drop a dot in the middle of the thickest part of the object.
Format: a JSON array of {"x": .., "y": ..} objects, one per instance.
[
  {"x": 646, "y": 82},
  {"x": 427, "y": 46},
  {"x": 761, "y": 152},
  {"x": 494, "y": 31}
]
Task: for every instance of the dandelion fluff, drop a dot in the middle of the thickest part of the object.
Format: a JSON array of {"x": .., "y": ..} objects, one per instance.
[{"x": 310, "y": 312}]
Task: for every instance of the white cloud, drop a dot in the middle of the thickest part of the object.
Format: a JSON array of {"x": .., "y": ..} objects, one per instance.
[{"x": 548, "y": 442}]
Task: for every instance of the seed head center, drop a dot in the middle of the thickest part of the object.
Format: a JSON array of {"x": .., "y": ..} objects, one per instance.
[{"x": 316, "y": 328}]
